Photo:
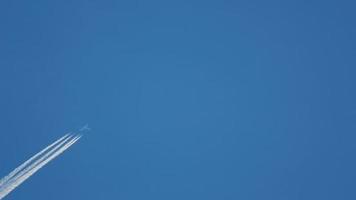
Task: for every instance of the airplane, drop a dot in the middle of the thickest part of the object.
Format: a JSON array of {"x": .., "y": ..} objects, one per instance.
[{"x": 85, "y": 128}]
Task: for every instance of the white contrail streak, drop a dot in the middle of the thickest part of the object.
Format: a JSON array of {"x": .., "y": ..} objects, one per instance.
[
  {"x": 22, "y": 166},
  {"x": 21, "y": 179},
  {"x": 33, "y": 168},
  {"x": 41, "y": 159}
]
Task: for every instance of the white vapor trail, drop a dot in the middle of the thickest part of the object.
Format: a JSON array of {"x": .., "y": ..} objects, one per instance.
[
  {"x": 23, "y": 174},
  {"x": 22, "y": 166},
  {"x": 41, "y": 159}
]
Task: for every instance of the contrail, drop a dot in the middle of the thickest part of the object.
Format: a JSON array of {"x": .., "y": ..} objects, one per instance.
[
  {"x": 42, "y": 158},
  {"x": 16, "y": 181},
  {"x": 22, "y": 166},
  {"x": 21, "y": 179},
  {"x": 23, "y": 175}
]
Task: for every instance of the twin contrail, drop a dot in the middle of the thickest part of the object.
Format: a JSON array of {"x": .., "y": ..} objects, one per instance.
[
  {"x": 35, "y": 163},
  {"x": 23, "y": 165}
]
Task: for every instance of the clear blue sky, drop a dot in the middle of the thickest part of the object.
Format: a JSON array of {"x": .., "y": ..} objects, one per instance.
[{"x": 232, "y": 100}]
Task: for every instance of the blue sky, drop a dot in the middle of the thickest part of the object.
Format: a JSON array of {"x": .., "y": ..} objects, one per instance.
[{"x": 186, "y": 99}]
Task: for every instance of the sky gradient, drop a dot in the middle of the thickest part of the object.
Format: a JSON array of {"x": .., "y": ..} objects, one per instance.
[{"x": 186, "y": 100}]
